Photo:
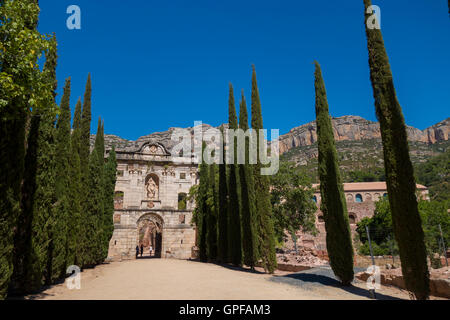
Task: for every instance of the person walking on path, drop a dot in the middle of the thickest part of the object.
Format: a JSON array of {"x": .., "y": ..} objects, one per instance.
[
  {"x": 137, "y": 252},
  {"x": 142, "y": 250}
]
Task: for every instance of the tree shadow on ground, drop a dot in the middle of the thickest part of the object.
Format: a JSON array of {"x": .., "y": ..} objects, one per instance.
[
  {"x": 300, "y": 279},
  {"x": 230, "y": 267}
]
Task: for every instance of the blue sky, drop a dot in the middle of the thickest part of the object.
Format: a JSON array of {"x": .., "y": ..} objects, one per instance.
[{"x": 160, "y": 64}]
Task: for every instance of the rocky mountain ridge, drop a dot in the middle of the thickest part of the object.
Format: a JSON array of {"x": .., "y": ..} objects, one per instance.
[
  {"x": 346, "y": 128},
  {"x": 355, "y": 128}
]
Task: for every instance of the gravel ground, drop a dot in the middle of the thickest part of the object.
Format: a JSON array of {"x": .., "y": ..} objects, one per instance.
[{"x": 177, "y": 279}]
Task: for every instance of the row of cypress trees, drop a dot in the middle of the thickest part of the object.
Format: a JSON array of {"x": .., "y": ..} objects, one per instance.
[
  {"x": 49, "y": 217},
  {"x": 233, "y": 210},
  {"x": 400, "y": 179}
]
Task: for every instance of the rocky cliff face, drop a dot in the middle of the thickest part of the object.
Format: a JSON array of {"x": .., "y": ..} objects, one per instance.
[
  {"x": 355, "y": 128},
  {"x": 346, "y": 128}
]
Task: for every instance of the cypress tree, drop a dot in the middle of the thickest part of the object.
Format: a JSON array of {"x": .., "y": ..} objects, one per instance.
[
  {"x": 59, "y": 239},
  {"x": 234, "y": 222},
  {"x": 263, "y": 209},
  {"x": 203, "y": 209},
  {"x": 212, "y": 214},
  {"x": 400, "y": 179},
  {"x": 247, "y": 195},
  {"x": 85, "y": 137},
  {"x": 333, "y": 206},
  {"x": 222, "y": 226},
  {"x": 95, "y": 201},
  {"x": 110, "y": 183},
  {"x": 76, "y": 191},
  {"x": 84, "y": 153},
  {"x": 38, "y": 193}
]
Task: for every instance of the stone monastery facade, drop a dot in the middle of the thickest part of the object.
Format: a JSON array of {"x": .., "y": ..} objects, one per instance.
[{"x": 151, "y": 208}]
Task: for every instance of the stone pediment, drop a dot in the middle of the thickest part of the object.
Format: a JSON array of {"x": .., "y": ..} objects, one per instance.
[{"x": 153, "y": 149}]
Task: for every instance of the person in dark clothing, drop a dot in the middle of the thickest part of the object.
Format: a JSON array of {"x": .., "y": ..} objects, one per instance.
[
  {"x": 142, "y": 249},
  {"x": 137, "y": 251}
]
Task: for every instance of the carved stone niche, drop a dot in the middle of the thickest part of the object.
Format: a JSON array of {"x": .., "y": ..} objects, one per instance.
[
  {"x": 116, "y": 218},
  {"x": 152, "y": 186}
]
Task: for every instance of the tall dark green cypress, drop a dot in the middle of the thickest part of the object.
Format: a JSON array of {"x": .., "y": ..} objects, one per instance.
[
  {"x": 234, "y": 221},
  {"x": 212, "y": 214},
  {"x": 95, "y": 201},
  {"x": 263, "y": 208},
  {"x": 110, "y": 183},
  {"x": 59, "y": 239},
  {"x": 400, "y": 180},
  {"x": 222, "y": 223},
  {"x": 247, "y": 195},
  {"x": 84, "y": 153},
  {"x": 76, "y": 191},
  {"x": 203, "y": 209},
  {"x": 333, "y": 205},
  {"x": 38, "y": 192},
  {"x": 86, "y": 129}
]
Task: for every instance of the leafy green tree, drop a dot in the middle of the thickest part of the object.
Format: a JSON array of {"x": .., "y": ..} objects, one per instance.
[
  {"x": 435, "y": 174},
  {"x": 380, "y": 229},
  {"x": 399, "y": 170},
  {"x": 234, "y": 221},
  {"x": 433, "y": 215},
  {"x": 264, "y": 230},
  {"x": 222, "y": 243},
  {"x": 292, "y": 202},
  {"x": 247, "y": 188},
  {"x": 59, "y": 240},
  {"x": 22, "y": 88},
  {"x": 333, "y": 205}
]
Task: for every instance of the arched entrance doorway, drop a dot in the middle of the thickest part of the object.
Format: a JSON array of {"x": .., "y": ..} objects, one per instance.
[{"x": 149, "y": 228}]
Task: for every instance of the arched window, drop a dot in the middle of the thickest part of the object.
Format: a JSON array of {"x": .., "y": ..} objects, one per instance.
[
  {"x": 349, "y": 198},
  {"x": 315, "y": 199},
  {"x": 352, "y": 218},
  {"x": 320, "y": 218},
  {"x": 182, "y": 197},
  {"x": 385, "y": 195},
  {"x": 118, "y": 200},
  {"x": 359, "y": 198}
]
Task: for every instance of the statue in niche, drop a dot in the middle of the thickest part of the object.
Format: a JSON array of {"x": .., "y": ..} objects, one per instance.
[{"x": 152, "y": 188}]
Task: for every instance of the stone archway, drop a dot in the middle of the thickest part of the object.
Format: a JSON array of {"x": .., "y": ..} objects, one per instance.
[{"x": 150, "y": 233}]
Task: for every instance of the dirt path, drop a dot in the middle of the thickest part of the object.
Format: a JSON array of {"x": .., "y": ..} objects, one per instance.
[{"x": 177, "y": 279}]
